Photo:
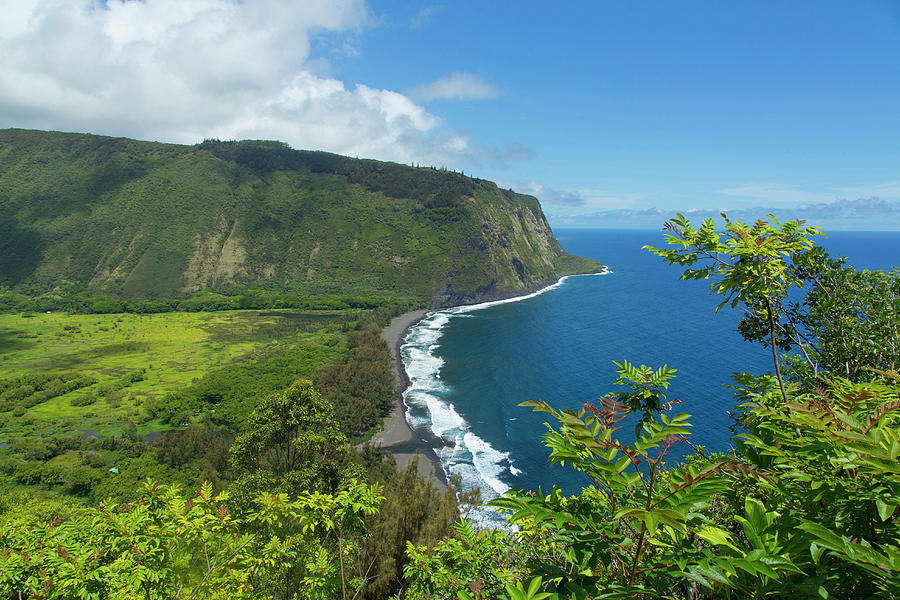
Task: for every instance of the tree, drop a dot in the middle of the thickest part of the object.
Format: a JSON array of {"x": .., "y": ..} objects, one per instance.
[
  {"x": 292, "y": 444},
  {"x": 634, "y": 532},
  {"x": 751, "y": 262},
  {"x": 412, "y": 511},
  {"x": 361, "y": 386},
  {"x": 847, "y": 324}
]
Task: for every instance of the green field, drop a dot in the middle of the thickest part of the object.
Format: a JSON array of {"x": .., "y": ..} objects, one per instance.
[{"x": 138, "y": 359}]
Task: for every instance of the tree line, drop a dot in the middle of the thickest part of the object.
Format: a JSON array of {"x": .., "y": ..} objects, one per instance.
[{"x": 83, "y": 303}]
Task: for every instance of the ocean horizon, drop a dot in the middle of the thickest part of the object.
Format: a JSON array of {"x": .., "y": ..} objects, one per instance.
[{"x": 469, "y": 367}]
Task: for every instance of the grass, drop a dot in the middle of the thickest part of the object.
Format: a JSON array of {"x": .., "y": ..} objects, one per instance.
[{"x": 175, "y": 350}]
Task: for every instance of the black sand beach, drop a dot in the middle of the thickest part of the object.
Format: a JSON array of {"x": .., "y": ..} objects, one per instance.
[{"x": 397, "y": 437}]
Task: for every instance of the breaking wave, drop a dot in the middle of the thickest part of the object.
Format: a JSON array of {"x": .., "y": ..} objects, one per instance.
[{"x": 432, "y": 415}]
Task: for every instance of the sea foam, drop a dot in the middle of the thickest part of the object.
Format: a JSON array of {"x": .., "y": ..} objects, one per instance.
[{"x": 429, "y": 410}]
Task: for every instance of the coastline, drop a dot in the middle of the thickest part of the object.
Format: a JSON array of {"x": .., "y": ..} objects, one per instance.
[{"x": 397, "y": 437}]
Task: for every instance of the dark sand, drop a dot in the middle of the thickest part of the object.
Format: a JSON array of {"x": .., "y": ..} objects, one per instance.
[{"x": 397, "y": 437}]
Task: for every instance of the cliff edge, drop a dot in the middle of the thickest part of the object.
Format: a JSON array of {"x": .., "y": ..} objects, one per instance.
[{"x": 133, "y": 219}]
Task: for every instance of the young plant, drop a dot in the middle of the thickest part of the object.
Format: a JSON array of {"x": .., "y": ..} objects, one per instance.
[
  {"x": 750, "y": 263},
  {"x": 634, "y": 532},
  {"x": 836, "y": 485},
  {"x": 168, "y": 546}
]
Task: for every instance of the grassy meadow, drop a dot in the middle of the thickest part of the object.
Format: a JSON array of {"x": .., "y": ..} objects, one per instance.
[{"x": 128, "y": 361}]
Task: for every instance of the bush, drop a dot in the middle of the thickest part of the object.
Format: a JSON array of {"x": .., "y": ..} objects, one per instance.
[{"x": 85, "y": 400}]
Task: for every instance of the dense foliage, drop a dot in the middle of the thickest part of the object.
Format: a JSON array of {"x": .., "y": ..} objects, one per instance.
[
  {"x": 101, "y": 225},
  {"x": 83, "y": 395},
  {"x": 796, "y": 515},
  {"x": 20, "y": 393},
  {"x": 806, "y": 508},
  {"x": 167, "y": 546},
  {"x": 361, "y": 386},
  {"x": 296, "y": 520},
  {"x": 434, "y": 188},
  {"x": 205, "y": 300},
  {"x": 847, "y": 324},
  {"x": 292, "y": 444}
]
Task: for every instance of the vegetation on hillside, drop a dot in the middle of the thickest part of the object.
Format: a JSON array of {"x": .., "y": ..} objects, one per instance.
[
  {"x": 806, "y": 508},
  {"x": 184, "y": 317},
  {"x": 128, "y": 364},
  {"x": 98, "y": 224}
]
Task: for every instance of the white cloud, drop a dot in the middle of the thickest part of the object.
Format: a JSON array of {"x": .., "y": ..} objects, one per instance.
[
  {"x": 886, "y": 190},
  {"x": 424, "y": 16},
  {"x": 546, "y": 195},
  {"x": 568, "y": 207},
  {"x": 181, "y": 71},
  {"x": 776, "y": 194},
  {"x": 458, "y": 86},
  {"x": 828, "y": 199}
]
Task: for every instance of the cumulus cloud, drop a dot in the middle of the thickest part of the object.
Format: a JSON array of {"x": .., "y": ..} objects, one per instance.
[
  {"x": 458, "y": 86},
  {"x": 183, "y": 71},
  {"x": 570, "y": 206}
]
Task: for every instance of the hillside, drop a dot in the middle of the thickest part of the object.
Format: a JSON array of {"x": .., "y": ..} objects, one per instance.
[{"x": 135, "y": 219}]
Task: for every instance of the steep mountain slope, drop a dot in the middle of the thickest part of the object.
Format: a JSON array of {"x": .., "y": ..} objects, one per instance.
[{"x": 148, "y": 220}]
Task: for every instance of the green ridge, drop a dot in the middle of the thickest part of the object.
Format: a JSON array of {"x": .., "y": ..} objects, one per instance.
[{"x": 133, "y": 219}]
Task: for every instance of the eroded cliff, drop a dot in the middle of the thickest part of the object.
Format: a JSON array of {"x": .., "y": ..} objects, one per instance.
[{"x": 147, "y": 220}]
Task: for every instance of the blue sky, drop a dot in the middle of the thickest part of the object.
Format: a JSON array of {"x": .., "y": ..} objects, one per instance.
[{"x": 612, "y": 113}]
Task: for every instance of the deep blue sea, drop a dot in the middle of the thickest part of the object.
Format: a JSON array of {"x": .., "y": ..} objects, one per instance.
[{"x": 470, "y": 367}]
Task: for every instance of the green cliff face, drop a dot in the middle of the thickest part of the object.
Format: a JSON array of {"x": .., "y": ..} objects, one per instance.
[{"x": 141, "y": 219}]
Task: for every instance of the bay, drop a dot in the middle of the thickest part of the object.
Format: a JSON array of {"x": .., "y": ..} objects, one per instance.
[{"x": 471, "y": 366}]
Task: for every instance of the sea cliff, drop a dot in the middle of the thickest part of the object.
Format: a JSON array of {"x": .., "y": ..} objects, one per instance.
[{"x": 134, "y": 219}]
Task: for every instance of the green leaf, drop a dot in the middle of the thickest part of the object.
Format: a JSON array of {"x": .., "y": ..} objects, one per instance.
[
  {"x": 716, "y": 536},
  {"x": 885, "y": 510},
  {"x": 716, "y": 574},
  {"x": 534, "y": 586},
  {"x": 695, "y": 574},
  {"x": 756, "y": 514},
  {"x": 816, "y": 551},
  {"x": 827, "y": 538}
]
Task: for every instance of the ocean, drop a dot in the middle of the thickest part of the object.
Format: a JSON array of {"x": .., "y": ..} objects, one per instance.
[{"x": 470, "y": 367}]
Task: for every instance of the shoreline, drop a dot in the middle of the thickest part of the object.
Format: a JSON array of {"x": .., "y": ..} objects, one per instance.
[{"x": 397, "y": 437}]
